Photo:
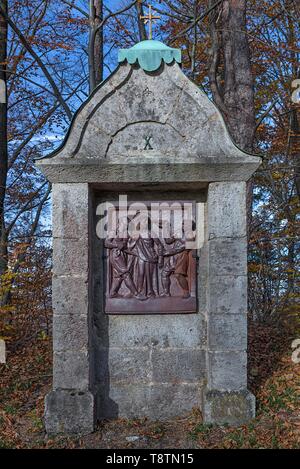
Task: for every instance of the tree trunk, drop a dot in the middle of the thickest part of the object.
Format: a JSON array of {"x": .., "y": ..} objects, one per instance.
[
  {"x": 98, "y": 49},
  {"x": 231, "y": 76},
  {"x": 238, "y": 89},
  {"x": 230, "y": 73},
  {"x": 141, "y": 24},
  {"x": 95, "y": 49},
  {"x": 3, "y": 133}
]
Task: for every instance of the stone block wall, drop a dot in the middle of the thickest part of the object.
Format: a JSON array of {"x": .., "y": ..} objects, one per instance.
[
  {"x": 226, "y": 399},
  {"x": 70, "y": 407},
  {"x": 150, "y": 365}
]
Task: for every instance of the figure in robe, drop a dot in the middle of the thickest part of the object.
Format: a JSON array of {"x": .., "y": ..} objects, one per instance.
[
  {"x": 121, "y": 267},
  {"x": 148, "y": 254}
]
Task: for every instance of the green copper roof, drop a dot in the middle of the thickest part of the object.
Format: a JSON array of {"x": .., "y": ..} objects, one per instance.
[{"x": 149, "y": 54}]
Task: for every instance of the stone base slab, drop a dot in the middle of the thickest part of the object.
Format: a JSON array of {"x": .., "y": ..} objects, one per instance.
[
  {"x": 70, "y": 411},
  {"x": 156, "y": 402},
  {"x": 231, "y": 407}
]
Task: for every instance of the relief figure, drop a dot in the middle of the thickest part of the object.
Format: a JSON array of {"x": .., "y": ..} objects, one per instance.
[
  {"x": 177, "y": 264},
  {"x": 148, "y": 254},
  {"x": 149, "y": 271},
  {"x": 121, "y": 267}
]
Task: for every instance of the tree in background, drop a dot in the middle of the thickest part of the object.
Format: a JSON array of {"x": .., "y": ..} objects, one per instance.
[
  {"x": 45, "y": 61},
  {"x": 243, "y": 54},
  {"x": 3, "y": 127}
]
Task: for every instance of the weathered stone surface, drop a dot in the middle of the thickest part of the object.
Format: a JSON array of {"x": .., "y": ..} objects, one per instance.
[
  {"x": 177, "y": 366},
  {"x": 157, "y": 331},
  {"x": 70, "y": 209},
  {"x": 132, "y": 140},
  {"x": 70, "y": 295},
  {"x": 232, "y": 407},
  {"x": 70, "y": 257},
  {"x": 128, "y": 401},
  {"x": 95, "y": 148},
  {"x": 228, "y": 294},
  {"x": 157, "y": 402},
  {"x": 190, "y": 134},
  {"x": 142, "y": 99},
  {"x": 149, "y": 170},
  {"x": 70, "y": 332},
  {"x": 227, "y": 370},
  {"x": 115, "y": 118},
  {"x": 71, "y": 370},
  {"x": 107, "y": 88},
  {"x": 227, "y": 210},
  {"x": 203, "y": 271},
  {"x": 227, "y": 332},
  {"x": 171, "y": 400},
  {"x": 2, "y": 351},
  {"x": 69, "y": 412},
  {"x": 227, "y": 257},
  {"x": 123, "y": 365},
  {"x": 137, "y": 365}
]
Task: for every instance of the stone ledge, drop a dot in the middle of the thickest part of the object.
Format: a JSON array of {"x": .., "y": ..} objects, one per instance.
[
  {"x": 138, "y": 172},
  {"x": 229, "y": 407},
  {"x": 70, "y": 411}
]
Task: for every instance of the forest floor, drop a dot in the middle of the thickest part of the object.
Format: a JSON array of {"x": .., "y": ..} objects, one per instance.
[{"x": 273, "y": 378}]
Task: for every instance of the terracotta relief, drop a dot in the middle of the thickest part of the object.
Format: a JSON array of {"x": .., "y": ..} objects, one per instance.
[{"x": 149, "y": 275}]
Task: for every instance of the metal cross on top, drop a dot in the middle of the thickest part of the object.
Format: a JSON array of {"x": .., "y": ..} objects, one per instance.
[{"x": 150, "y": 18}]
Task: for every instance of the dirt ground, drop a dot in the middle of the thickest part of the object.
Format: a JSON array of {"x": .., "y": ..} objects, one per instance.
[{"x": 273, "y": 378}]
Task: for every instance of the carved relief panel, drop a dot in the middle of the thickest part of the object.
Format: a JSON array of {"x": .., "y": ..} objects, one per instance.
[{"x": 150, "y": 261}]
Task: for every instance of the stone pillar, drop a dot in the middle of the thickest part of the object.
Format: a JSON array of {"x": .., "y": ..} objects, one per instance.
[
  {"x": 70, "y": 406},
  {"x": 226, "y": 398}
]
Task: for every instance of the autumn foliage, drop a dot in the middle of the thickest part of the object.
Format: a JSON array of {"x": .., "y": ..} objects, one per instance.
[{"x": 46, "y": 67}]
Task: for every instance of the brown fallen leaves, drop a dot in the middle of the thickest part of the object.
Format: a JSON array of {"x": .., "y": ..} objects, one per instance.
[{"x": 276, "y": 383}]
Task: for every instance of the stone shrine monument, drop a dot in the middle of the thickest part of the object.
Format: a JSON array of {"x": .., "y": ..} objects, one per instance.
[{"x": 148, "y": 326}]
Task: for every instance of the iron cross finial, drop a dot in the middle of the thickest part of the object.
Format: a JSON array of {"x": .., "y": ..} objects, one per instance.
[{"x": 150, "y": 19}]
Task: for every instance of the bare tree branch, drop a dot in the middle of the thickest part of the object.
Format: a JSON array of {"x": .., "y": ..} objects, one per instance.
[
  {"x": 36, "y": 127},
  {"x": 24, "y": 208},
  {"x": 21, "y": 255},
  {"x": 199, "y": 18},
  {"x": 76, "y": 7},
  {"x": 39, "y": 62},
  {"x": 265, "y": 114}
]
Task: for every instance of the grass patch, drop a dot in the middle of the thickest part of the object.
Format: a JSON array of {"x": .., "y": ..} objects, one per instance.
[{"x": 202, "y": 429}]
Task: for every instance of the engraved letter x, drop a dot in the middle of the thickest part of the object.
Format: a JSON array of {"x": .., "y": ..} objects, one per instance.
[{"x": 148, "y": 145}]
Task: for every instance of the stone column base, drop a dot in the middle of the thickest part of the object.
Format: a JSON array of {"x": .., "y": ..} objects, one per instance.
[
  {"x": 231, "y": 407},
  {"x": 70, "y": 411}
]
